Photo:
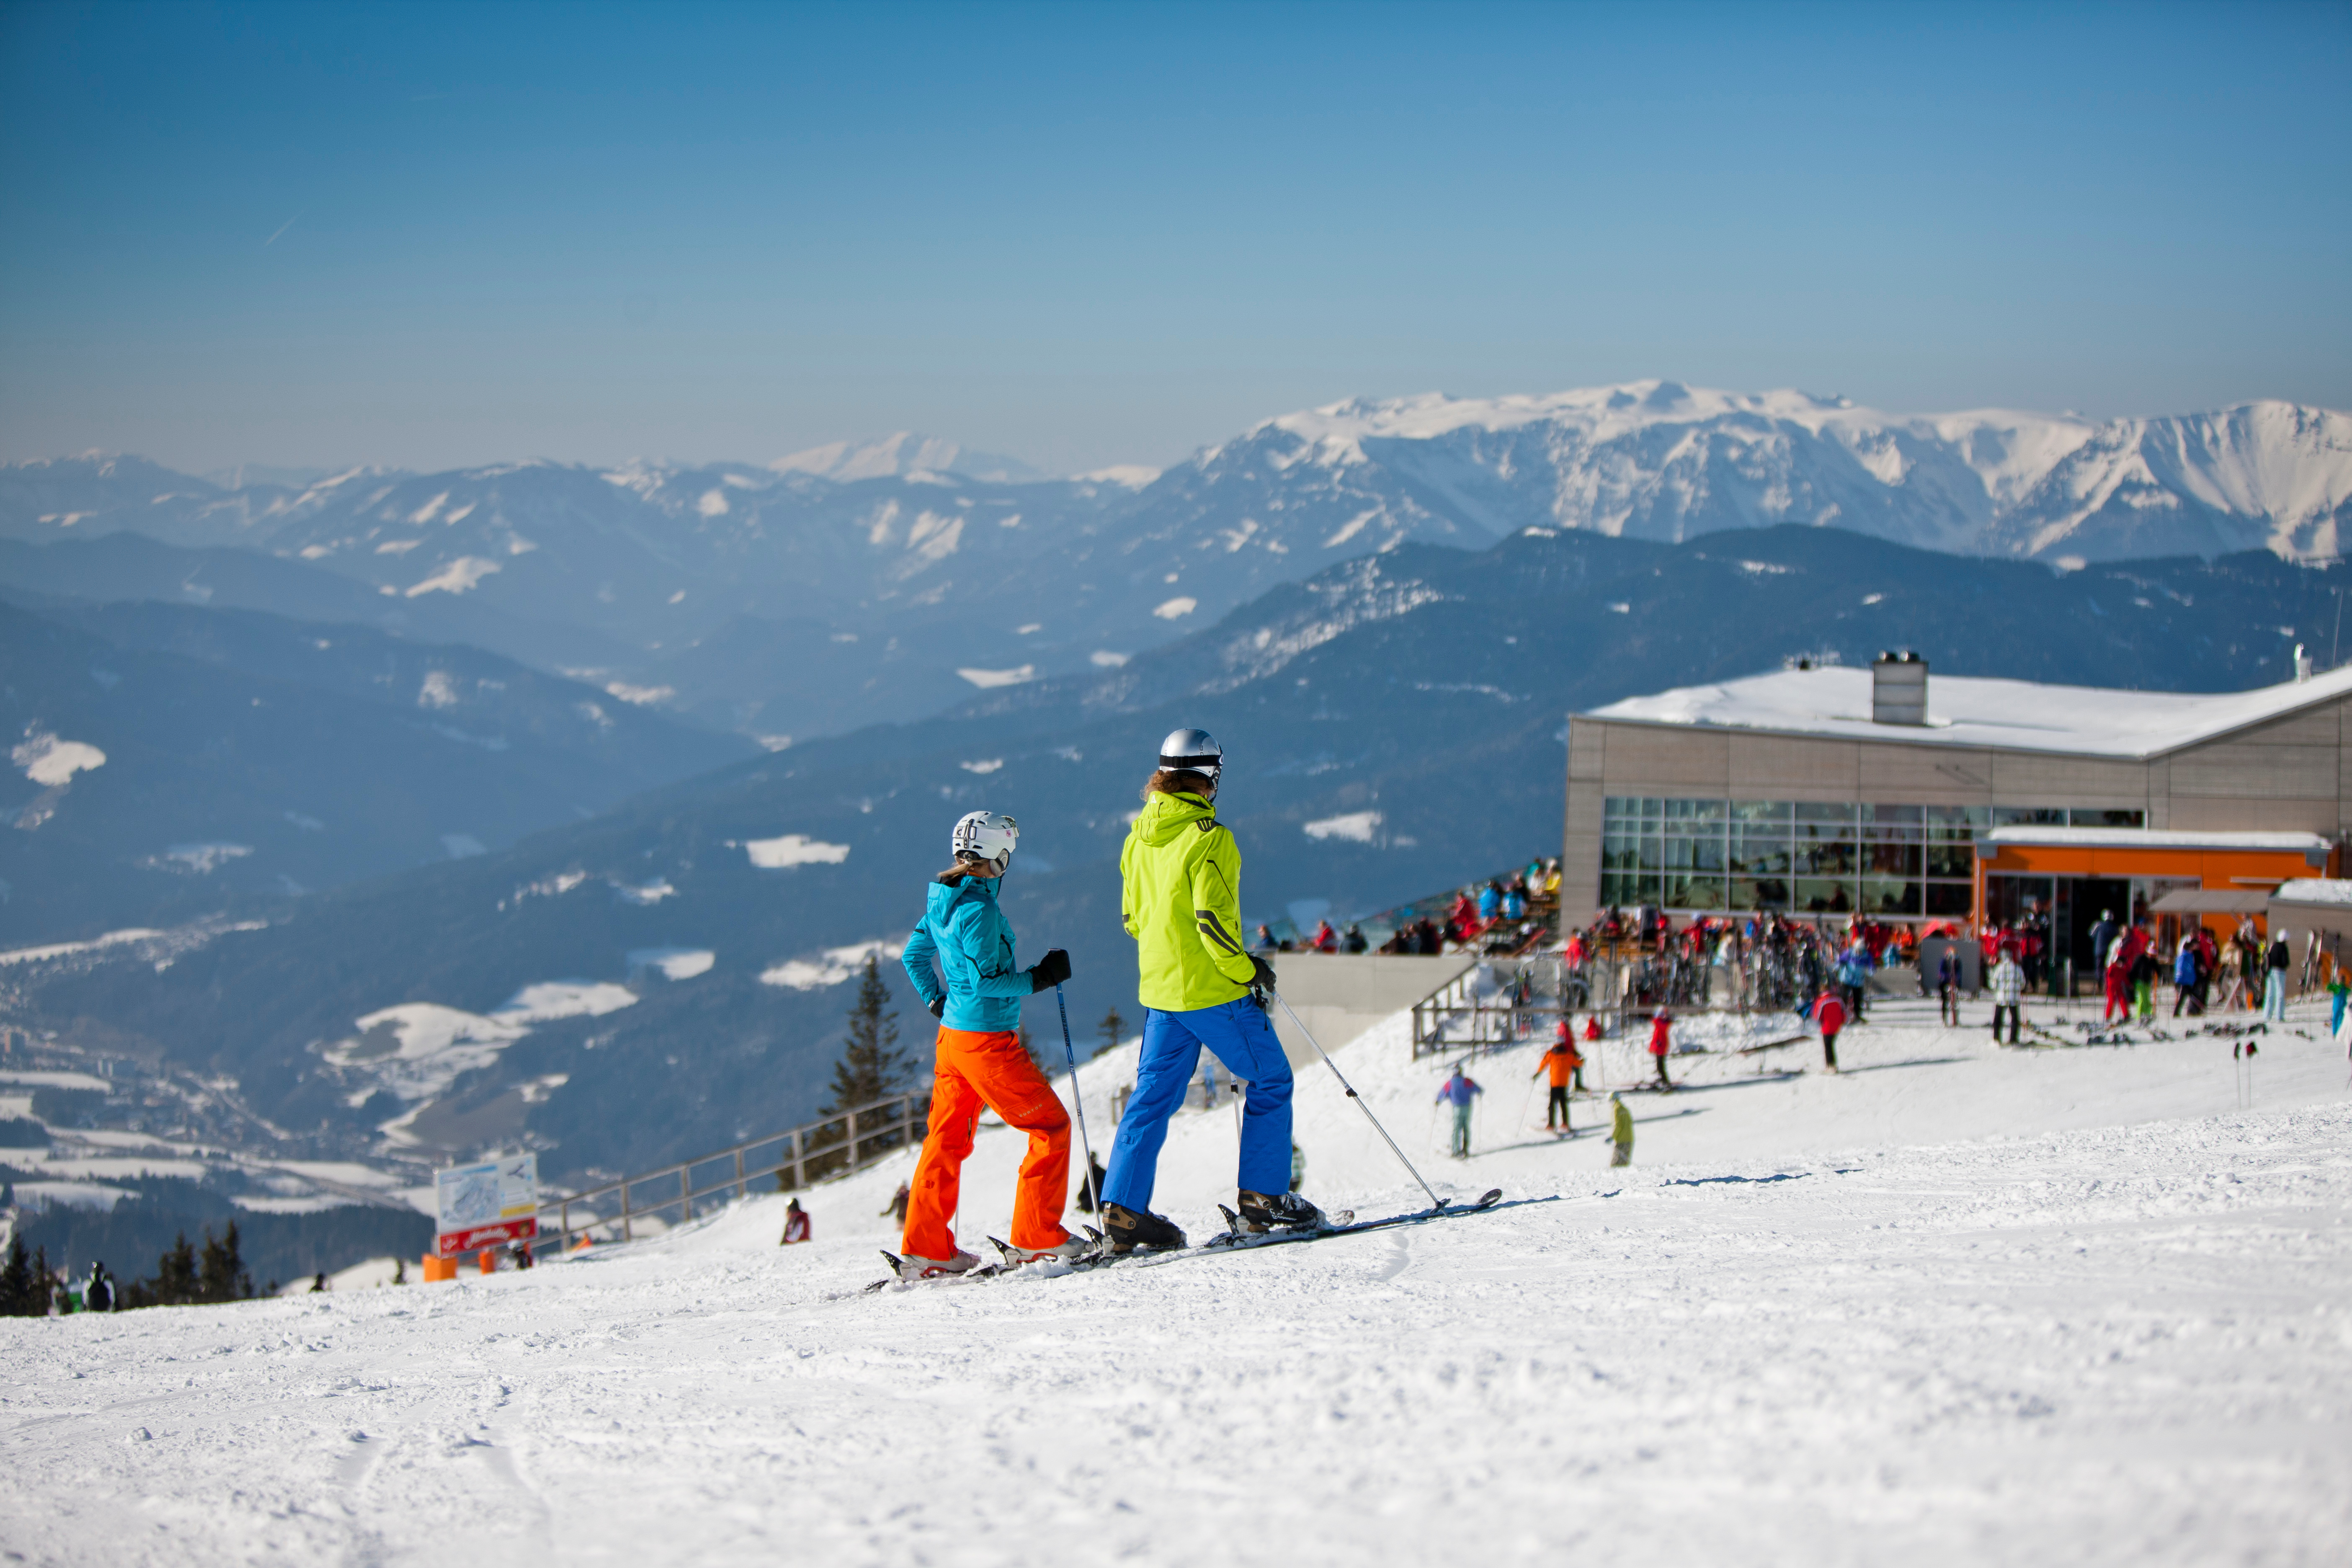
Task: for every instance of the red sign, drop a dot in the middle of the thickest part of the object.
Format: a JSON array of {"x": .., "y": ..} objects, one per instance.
[{"x": 457, "y": 1243}]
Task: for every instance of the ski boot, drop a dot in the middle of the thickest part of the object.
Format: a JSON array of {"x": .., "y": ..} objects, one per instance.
[
  {"x": 913, "y": 1267},
  {"x": 1128, "y": 1230},
  {"x": 1282, "y": 1210}
]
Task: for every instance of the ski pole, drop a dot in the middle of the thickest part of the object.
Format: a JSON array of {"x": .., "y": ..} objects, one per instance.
[
  {"x": 1078, "y": 1099},
  {"x": 1435, "y": 1201}
]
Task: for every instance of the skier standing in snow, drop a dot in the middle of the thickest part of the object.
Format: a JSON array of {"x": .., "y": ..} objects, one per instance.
[
  {"x": 981, "y": 1060},
  {"x": 1829, "y": 1018},
  {"x": 2008, "y": 983},
  {"x": 1948, "y": 985},
  {"x": 2275, "y": 964},
  {"x": 1563, "y": 1062},
  {"x": 1661, "y": 1040},
  {"x": 1458, "y": 1091},
  {"x": 1621, "y": 1130},
  {"x": 1180, "y": 898}
]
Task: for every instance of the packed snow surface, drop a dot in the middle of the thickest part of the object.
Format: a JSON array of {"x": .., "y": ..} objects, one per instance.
[
  {"x": 1957, "y": 1305},
  {"x": 1969, "y": 710}
]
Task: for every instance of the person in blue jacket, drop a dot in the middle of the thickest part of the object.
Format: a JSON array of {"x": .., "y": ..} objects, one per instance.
[
  {"x": 1457, "y": 1092},
  {"x": 981, "y": 1059}
]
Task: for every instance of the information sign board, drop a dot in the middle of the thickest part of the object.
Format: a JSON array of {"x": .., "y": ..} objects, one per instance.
[{"x": 486, "y": 1204}]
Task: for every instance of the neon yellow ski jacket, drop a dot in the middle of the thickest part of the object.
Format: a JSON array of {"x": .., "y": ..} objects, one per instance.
[{"x": 1181, "y": 903}]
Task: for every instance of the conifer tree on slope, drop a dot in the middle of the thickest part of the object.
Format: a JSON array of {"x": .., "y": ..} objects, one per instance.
[
  {"x": 16, "y": 1283},
  {"x": 872, "y": 1066}
]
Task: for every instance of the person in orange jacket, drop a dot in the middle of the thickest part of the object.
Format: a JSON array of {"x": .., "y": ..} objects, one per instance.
[
  {"x": 1661, "y": 1040},
  {"x": 1562, "y": 1061}
]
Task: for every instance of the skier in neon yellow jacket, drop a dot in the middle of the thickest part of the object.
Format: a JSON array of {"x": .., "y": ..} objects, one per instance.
[{"x": 1180, "y": 871}]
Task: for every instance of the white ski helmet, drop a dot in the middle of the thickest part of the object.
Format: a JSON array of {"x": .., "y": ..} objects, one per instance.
[
  {"x": 986, "y": 836},
  {"x": 1192, "y": 752}
]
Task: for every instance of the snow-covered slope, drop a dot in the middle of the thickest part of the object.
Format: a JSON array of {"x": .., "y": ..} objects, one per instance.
[
  {"x": 1956, "y": 1306},
  {"x": 1656, "y": 459}
]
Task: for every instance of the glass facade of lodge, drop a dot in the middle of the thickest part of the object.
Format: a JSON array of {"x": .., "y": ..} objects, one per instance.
[{"x": 1808, "y": 856}]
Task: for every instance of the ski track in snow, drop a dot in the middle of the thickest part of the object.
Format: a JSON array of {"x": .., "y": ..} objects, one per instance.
[{"x": 1957, "y": 1305}]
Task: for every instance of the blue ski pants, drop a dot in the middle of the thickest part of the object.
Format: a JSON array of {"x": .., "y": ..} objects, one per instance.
[{"x": 1240, "y": 1036}]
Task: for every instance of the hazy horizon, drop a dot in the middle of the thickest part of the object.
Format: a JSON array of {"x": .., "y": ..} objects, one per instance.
[{"x": 1083, "y": 237}]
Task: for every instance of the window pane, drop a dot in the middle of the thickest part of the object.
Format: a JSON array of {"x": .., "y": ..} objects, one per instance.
[
  {"x": 1761, "y": 854},
  {"x": 2029, "y": 816},
  {"x": 1617, "y": 852},
  {"x": 1761, "y": 810},
  {"x": 1959, "y": 815},
  {"x": 1652, "y": 805},
  {"x": 1825, "y": 811},
  {"x": 1951, "y": 860},
  {"x": 1678, "y": 854},
  {"x": 1949, "y": 898},
  {"x": 1818, "y": 896},
  {"x": 2105, "y": 816},
  {"x": 1693, "y": 893},
  {"x": 1706, "y": 855},
  {"x": 1895, "y": 816},
  {"x": 1759, "y": 893},
  {"x": 1826, "y": 860},
  {"x": 1648, "y": 850},
  {"x": 1891, "y": 859},
  {"x": 1695, "y": 810},
  {"x": 1890, "y": 896},
  {"x": 1621, "y": 806},
  {"x": 1646, "y": 888}
]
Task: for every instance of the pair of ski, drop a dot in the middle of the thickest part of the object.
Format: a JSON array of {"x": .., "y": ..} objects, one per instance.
[{"x": 1233, "y": 1238}]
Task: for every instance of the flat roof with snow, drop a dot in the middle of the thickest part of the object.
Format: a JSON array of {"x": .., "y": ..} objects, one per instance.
[
  {"x": 1969, "y": 710},
  {"x": 2307, "y": 844}
]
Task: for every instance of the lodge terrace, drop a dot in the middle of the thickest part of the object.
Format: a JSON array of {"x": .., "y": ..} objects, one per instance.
[{"x": 1839, "y": 791}]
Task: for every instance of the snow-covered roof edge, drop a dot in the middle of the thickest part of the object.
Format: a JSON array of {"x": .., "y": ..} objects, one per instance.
[
  {"x": 1981, "y": 713},
  {"x": 2332, "y": 891},
  {"x": 2285, "y": 843}
]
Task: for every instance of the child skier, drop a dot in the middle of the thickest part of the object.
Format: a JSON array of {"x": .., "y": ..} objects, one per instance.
[
  {"x": 796, "y": 1223},
  {"x": 981, "y": 1060},
  {"x": 1458, "y": 1091},
  {"x": 1621, "y": 1131},
  {"x": 1661, "y": 1042},
  {"x": 1562, "y": 1061},
  {"x": 1180, "y": 879},
  {"x": 1829, "y": 1017}
]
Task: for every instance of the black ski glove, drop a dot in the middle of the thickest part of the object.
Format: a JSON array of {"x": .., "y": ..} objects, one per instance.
[
  {"x": 939, "y": 1007},
  {"x": 1050, "y": 971},
  {"x": 1261, "y": 972}
]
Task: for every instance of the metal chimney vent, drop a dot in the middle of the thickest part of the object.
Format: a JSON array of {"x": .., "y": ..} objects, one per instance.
[{"x": 1898, "y": 688}]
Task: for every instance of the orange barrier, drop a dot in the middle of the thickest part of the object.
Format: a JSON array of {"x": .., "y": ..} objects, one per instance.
[
  {"x": 489, "y": 1261},
  {"x": 439, "y": 1268}
]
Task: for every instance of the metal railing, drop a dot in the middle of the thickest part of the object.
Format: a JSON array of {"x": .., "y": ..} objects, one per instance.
[{"x": 811, "y": 1152}]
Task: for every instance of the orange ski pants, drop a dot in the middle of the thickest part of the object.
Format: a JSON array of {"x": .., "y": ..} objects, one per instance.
[{"x": 991, "y": 1069}]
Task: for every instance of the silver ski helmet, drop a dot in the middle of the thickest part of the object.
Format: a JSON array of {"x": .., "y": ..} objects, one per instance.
[
  {"x": 1192, "y": 752},
  {"x": 986, "y": 836}
]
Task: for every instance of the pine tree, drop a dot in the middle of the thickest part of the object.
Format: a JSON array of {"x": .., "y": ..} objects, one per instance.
[
  {"x": 1113, "y": 1028},
  {"x": 222, "y": 1276},
  {"x": 1036, "y": 1057},
  {"x": 16, "y": 1281},
  {"x": 872, "y": 1066},
  {"x": 175, "y": 1281}
]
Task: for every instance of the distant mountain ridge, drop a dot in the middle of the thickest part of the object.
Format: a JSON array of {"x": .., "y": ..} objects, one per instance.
[{"x": 881, "y": 580}]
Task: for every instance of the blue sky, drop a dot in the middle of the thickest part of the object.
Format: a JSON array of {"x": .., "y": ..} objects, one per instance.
[{"x": 1083, "y": 235}]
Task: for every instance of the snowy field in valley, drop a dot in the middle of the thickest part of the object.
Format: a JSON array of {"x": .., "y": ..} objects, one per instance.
[{"x": 1957, "y": 1305}]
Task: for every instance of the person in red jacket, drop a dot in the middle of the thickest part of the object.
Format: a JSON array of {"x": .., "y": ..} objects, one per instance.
[
  {"x": 796, "y": 1223},
  {"x": 1829, "y": 1018},
  {"x": 1662, "y": 1041}
]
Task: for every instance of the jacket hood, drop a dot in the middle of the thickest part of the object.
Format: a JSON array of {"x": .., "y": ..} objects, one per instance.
[
  {"x": 942, "y": 898},
  {"x": 1164, "y": 817}
]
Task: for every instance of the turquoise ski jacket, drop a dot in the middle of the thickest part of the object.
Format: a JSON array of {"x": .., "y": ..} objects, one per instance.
[{"x": 965, "y": 928}]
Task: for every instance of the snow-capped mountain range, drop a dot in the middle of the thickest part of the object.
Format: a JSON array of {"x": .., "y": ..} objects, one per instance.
[
  {"x": 1656, "y": 459},
  {"x": 882, "y": 580}
]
